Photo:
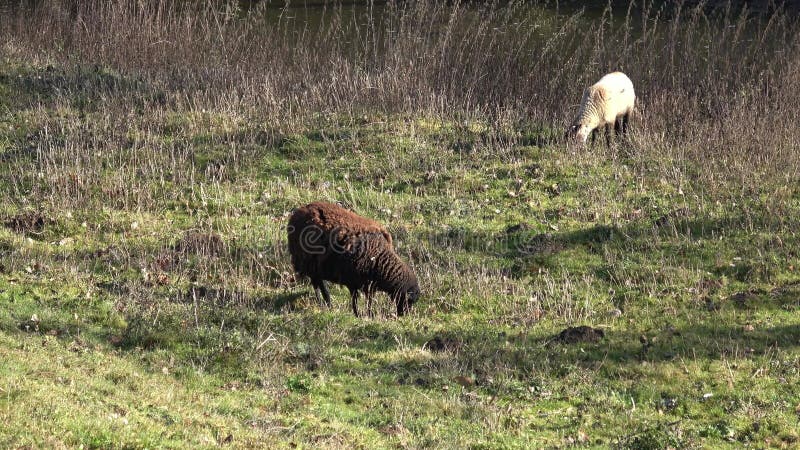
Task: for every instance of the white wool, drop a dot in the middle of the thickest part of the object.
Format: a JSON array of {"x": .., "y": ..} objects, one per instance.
[{"x": 604, "y": 103}]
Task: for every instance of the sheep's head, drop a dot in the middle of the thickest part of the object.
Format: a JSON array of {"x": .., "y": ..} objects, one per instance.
[
  {"x": 587, "y": 118},
  {"x": 407, "y": 295},
  {"x": 572, "y": 130},
  {"x": 582, "y": 134},
  {"x": 578, "y": 132}
]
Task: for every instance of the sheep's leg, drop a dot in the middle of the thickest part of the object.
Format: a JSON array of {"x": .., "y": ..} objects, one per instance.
[
  {"x": 320, "y": 288},
  {"x": 354, "y": 300},
  {"x": 317, "y": 290},
  {"x": 625, "y": 119},
  {"x": 369, "y": 292},
  {"x": 618, "y": 125},
  {"x": 369, "y": 303},
  {"x": 325, "y": 293},
  {"x": 316, "y": 294},
  {"x": 402, "y": 307},
  {"x": 608, "y": 134},
  {"x": 594, "y": 136}
]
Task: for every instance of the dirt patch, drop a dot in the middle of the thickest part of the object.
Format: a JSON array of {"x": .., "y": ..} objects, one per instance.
[
  {"x": 522, "y": 226},
  {"x": 30, "y": 222},
  {"x": 709, "y": 286},
  {"x": 583, "y": 333},
  {"x": 541, "y": 244},
  {"x": 672, "y": 216},
  {"x": 443, "y": 343}
]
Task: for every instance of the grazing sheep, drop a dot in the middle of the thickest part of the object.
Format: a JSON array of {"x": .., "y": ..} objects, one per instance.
[
  {"x": 330, "y": 243},
  {"x": 608, "y": 102}
]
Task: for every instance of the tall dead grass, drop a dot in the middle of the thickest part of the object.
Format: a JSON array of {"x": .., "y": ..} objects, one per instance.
[{"x": 717, "y": 86}]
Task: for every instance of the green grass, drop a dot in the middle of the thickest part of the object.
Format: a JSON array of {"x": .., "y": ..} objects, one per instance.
[{"x": 142, "y": 340}]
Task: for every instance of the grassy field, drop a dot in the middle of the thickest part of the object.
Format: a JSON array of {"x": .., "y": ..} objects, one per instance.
[{"x": 147, "y": 300}]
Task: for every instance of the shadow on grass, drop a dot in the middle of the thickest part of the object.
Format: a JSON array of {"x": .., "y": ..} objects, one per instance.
[
  {"x": 484, "y": 353},
  {"x": 83, "y": 84},
  {"x": 229, "y": 328},
  {"x": 518, "y": 241},
  {"x": 674, "y": 232},
  {"x": 233, "y": 300}
]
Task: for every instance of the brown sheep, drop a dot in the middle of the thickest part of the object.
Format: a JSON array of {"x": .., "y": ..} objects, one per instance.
[{"x": 330, "y": 243}]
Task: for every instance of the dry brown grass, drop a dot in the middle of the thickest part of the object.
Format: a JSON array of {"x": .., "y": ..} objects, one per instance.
[{"x": 717, "y": 87}]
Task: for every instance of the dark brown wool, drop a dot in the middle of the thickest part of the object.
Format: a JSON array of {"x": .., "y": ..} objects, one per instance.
[{"x": 330, "y": 243}]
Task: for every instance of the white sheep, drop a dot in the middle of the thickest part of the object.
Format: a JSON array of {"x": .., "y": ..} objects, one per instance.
[{"x": 608, "y": 102}]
